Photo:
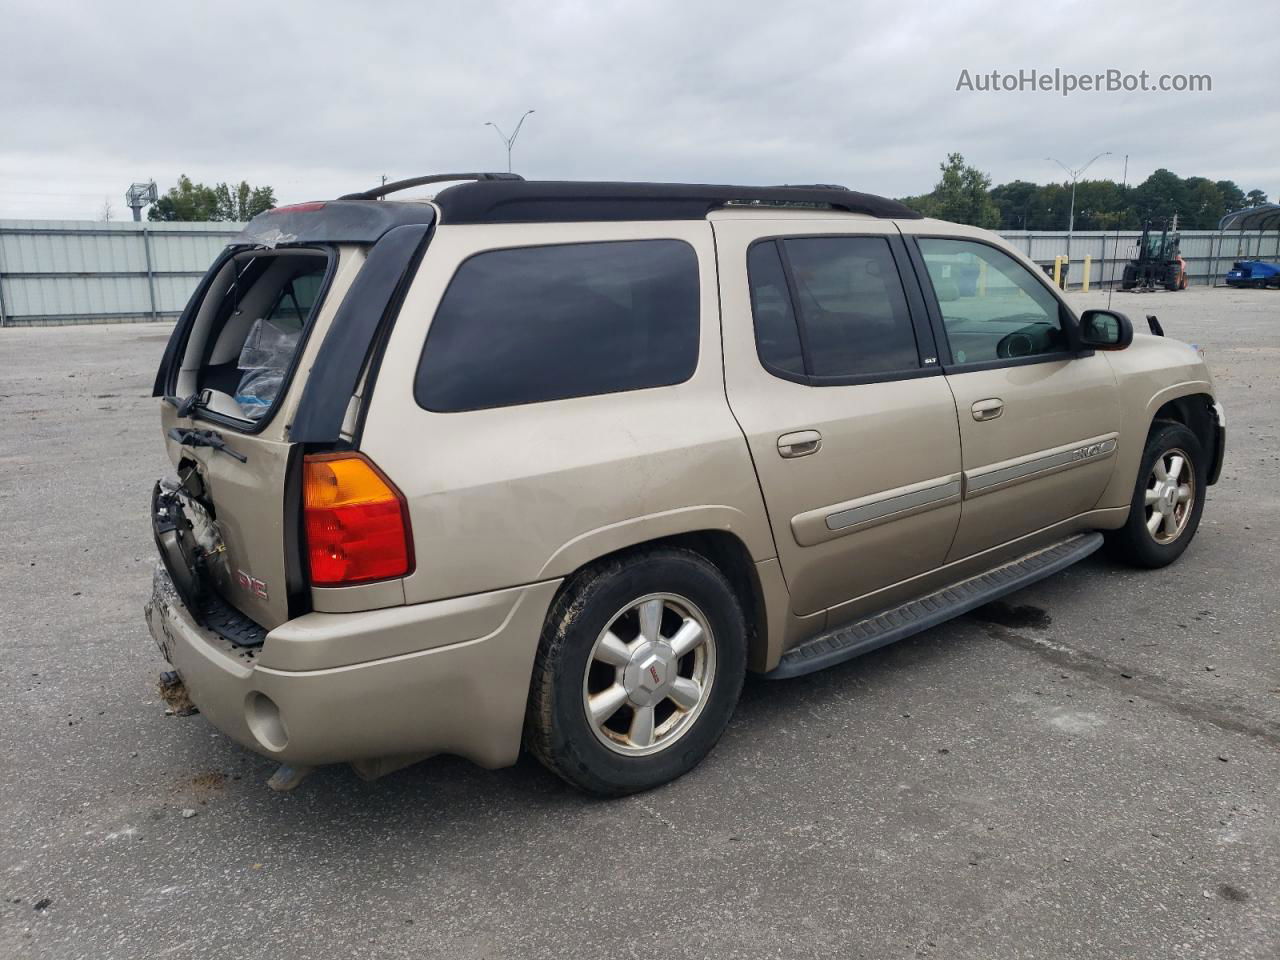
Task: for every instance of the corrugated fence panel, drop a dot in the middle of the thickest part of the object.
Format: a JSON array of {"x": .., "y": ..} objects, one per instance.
[
  {"x": 73, "y": 271},
  {"x": 79, "y": 271}
]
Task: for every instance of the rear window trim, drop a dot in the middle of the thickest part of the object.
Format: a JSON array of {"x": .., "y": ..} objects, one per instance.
[
  {"x": 247, "y": 427},
  {"x": 426, "y": 340}
]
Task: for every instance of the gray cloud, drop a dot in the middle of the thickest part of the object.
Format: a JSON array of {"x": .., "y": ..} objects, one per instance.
[{"x": 322, "y": 97}]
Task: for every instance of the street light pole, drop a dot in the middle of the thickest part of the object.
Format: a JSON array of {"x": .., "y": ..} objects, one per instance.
[
  {"x": 511, "y": 140},
  {"x": 1074, "y": 175}
]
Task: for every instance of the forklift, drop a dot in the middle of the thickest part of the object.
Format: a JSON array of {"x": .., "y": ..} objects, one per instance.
[{"x": 1158, "y": 263}]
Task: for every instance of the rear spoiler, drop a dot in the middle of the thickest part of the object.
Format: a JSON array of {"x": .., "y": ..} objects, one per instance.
[{"x": 332, "y": 221}]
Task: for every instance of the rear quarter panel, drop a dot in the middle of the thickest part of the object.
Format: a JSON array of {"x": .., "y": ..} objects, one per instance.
[{"x": 513, "y": 495}]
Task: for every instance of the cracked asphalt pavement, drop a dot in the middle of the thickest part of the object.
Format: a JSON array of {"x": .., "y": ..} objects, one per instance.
[{"x": 1088, "y": 769}]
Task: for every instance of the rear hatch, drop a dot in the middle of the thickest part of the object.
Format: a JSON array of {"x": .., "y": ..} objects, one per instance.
[{"x": 265, "y": 365}]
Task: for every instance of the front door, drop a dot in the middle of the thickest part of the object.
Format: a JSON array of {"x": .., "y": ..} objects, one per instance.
[
  {"x": 1039, "y": 420},
  {"x": 831, "y": 372}
]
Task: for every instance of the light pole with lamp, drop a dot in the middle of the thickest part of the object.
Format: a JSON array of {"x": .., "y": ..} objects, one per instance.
[
  {"x": 1074, "y": 175},
  {"x": 511, "y": 140}
]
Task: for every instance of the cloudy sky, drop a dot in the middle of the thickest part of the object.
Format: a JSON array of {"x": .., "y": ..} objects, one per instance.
[{"x": 319, "y": 98}]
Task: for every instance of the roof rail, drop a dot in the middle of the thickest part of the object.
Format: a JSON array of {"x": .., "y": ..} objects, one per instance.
[
  {"x": 535, "y": 201},
  {"x": 395, "y": 186}
]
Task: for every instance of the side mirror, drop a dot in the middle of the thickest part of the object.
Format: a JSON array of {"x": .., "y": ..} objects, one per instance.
[{"x": 1105, "y": 330}]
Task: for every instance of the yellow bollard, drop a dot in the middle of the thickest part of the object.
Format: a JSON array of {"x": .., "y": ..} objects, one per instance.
[
  {"x": 1088, "y": 268},
  {"x": 1057, "y": 271}
]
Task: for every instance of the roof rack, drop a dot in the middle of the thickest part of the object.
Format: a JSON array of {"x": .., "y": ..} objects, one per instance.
[
  {"x": 500, "y": 199},
  {"x": 377, "y": 193}
]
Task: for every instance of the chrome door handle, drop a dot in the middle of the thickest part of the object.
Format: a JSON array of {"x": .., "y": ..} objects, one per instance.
[
  {"x": 799, "y": 444},
  {"x": 988, "y": 409}
]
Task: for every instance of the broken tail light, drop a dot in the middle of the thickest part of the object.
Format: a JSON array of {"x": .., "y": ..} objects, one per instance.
[{"x": 356, "y": 521}]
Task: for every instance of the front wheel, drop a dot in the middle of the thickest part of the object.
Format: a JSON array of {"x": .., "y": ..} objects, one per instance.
[
  {"x": 638, "y": 671},
  {"x": 1167, "y": 499}
]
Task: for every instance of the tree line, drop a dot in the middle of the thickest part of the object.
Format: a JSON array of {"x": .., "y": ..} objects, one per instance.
[
  {"x": 197, "y": 201},
  {"x": 964, "y": 194}
]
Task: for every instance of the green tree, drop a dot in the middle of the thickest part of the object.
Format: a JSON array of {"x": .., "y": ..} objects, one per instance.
[
  {"x": 1161, "y": 195},
  {"x": 197, "y": 201},
  {"x": 1016, "y": 202},
  {"x": 961, "y": 196},
  {"x": 186, "y": 201},
  {"x": 243, "y": 202},
  {"x": 1205, "y": 205},
  {"x": 1099, "y": 204},
  {"x": 1255, "y": 198},
  {"x": 1232, "y": 195}
]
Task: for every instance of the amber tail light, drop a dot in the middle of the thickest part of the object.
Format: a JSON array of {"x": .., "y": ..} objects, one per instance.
[{"x": 356, "y": 521}]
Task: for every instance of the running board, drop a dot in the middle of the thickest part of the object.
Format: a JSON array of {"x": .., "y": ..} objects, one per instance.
[{"x": 855, "y": 639}]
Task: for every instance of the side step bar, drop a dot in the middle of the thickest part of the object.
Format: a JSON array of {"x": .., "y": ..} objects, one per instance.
[{"x": 854, "y": 639}]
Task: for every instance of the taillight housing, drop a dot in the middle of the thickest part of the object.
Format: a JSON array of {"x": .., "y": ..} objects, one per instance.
[{"x": 356, "y": 521}]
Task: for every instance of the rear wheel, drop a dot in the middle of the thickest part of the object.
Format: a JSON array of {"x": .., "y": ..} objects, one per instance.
[
  {"x": 638, "y": 671},
  {"x": 1167, "y": 499}
]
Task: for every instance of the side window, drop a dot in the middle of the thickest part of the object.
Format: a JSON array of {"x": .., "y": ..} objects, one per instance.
[
  {"x": 531, "y": 324},
  {"x": 847, "y": 295},
  {"x": 993, "y": 308},
  {"x": 777, "y": 339},
  {"x": 294, "y": 304}
]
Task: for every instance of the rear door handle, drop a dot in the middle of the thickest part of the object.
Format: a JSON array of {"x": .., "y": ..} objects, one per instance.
[
  {"x": 799, "y": 444},
  {"x": 988, "y": 409}
]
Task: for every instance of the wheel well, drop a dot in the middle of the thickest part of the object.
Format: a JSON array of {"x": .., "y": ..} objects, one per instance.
[
  {"x": 731, "y": 557},
  {"x": 1194, "y": 412}
]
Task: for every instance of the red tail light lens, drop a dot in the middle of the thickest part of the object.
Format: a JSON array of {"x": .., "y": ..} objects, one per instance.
[
  {"x": 308, "y": 207},
  {"x": 357, "y": 523}
]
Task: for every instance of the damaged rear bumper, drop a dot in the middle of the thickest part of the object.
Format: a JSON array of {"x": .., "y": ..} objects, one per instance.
[{"x": 461, "y": 688}]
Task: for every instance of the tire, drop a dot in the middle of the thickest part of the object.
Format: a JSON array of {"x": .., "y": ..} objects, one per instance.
[
  {"x": 577, "y": 665},
  {"x": 1136, "y": 543}
]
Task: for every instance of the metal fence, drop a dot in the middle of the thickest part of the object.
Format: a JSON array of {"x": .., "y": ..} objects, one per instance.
[
  {"x": 1208, "y": 253},
  {"x": 73, "y": 271}
]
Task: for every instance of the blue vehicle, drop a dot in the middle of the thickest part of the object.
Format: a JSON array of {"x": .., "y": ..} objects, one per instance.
[{"x": 1253, "y": 273}]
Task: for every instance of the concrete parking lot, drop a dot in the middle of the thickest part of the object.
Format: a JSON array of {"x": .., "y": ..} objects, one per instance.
[{"x": 1089, "y": 770}]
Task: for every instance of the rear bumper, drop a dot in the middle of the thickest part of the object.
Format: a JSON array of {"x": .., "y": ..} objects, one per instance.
[{"x": 461, "y": 688}]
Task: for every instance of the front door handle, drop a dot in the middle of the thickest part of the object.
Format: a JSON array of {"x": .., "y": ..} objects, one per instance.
[
  {"x": 988, "y": 409},
  {"x": 799, "y": 444}
]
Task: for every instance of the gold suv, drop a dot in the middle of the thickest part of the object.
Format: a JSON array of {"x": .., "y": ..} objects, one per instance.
[{"x": 555, "y": 463}]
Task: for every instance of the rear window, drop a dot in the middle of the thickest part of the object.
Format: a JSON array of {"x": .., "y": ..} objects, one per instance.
[
  {"x": 532, "y": 324},
  {"x": 248, "y": 334}
]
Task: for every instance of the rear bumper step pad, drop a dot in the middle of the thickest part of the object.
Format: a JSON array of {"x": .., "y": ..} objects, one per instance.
[{"x": 855, "y": 639}]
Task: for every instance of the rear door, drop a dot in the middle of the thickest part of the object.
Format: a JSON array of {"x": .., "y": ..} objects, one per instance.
[
  {"x": 1039, "y": 419},
  {"x": 832, "y": 375}
]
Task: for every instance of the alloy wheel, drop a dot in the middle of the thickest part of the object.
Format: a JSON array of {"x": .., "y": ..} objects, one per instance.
[{"x": 649, "y": 675}]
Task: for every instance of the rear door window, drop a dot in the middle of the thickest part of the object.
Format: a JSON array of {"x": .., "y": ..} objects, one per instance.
[
  {"x": 532, "y": 324},
  {"x": 831, "y": 308}
]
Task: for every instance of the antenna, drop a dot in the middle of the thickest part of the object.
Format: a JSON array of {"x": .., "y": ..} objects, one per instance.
[
  {"x": 1115, "y": 254},
  {"x": 139, "y": 195}
]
